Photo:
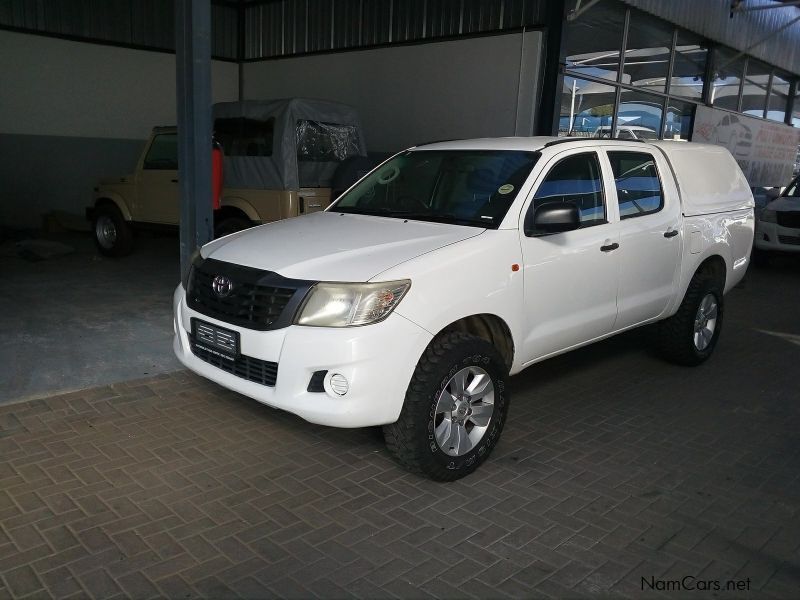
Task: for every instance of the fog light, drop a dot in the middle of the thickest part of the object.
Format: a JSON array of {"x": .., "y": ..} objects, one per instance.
[{"x": 339, "y": 384}]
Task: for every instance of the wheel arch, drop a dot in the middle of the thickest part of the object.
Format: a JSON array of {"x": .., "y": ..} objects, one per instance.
[
  {"x": 716, "y": 265},
  {"x": 110, "y": 199},
  {"x": 235, "y": 206},
  {"x": 489, "y": 327}
]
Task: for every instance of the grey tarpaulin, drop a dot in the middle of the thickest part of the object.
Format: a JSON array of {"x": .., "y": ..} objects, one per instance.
[{"x": 336, "y": 127}]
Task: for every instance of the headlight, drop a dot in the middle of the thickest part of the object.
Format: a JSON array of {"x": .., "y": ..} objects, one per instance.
[
  {"x": 187, "y": 276},
  {"x": 351, "y": 304},
  {"x": 769, "y": 216}
]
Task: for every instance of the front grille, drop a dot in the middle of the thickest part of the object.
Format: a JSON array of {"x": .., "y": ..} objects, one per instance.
[
  {"x": 788, "y": 218},
  {"x": 789, "y": 240},
  {"x": 257, "y": 299},
  {"x": 246, "y": 367}
]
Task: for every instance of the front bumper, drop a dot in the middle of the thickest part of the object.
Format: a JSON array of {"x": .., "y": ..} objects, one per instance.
[
  {"x": 377, "y": 360},
  {"x": 773, "y": 237}
]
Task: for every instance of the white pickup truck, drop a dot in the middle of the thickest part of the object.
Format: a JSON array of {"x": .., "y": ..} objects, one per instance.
[{"x": 449, "y": 267}]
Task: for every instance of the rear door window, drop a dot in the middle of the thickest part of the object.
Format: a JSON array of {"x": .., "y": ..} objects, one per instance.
[{"x": 638, "y": 185}]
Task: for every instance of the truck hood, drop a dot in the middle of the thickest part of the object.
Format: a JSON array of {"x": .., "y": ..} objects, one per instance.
[{"x": 330, "y": 246}]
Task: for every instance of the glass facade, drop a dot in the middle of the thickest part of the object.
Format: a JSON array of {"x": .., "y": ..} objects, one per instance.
[
  {"x": 630, "y": 75},
  {"x": 647, "y": 52},
  {"x": 778, "y": 96},
  {"x": 755, "y": 89},
  {"x": 726, "y": 79},
  {"x": 688, "y": 67},
  {"x": 587, "y": 108}
]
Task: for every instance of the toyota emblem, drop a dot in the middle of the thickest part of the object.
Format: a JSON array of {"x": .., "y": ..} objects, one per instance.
[{"x": 222, "y": 286}]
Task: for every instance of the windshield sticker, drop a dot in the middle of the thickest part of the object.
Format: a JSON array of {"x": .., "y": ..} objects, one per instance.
[{"x": 505, "y": 189}]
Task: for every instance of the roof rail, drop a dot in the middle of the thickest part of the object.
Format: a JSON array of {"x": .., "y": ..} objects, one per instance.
[
  {"x": 564, "y": 140},
  {"x": 582, "y": 139},
  {"x": 437, "y": 142}
]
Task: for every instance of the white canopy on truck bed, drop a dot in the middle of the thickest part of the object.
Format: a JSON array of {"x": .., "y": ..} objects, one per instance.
[{"x": 709, "y": 179}]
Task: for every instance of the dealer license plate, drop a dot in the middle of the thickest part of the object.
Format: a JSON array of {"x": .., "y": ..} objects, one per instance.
[{"x": 217, "y": 340}]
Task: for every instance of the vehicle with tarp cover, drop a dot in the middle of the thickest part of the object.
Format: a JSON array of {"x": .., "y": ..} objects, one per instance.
[{"x": 280, "y": 157}]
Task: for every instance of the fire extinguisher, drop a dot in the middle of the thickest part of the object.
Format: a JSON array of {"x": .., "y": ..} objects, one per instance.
[{"x": 216, "y": 173}]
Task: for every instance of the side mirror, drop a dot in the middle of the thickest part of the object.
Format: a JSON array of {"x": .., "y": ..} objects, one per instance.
[
  {"x": 554, "y": 218},
  {"x": 773, "y": 193}
]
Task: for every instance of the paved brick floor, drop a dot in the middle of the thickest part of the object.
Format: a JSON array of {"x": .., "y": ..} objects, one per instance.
[{"x": 613, "y": 467}]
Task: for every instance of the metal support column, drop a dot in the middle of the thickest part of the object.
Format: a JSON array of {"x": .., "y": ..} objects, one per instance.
[
  {"x": 791, "y": 101},
  {"x": 193, "y": 73},
  {"x": 553, "y": 75}
]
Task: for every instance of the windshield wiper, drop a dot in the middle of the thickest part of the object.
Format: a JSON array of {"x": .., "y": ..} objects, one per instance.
[
  {"x": 415, "y": 215},
  {"x": 447, "y": 217}
]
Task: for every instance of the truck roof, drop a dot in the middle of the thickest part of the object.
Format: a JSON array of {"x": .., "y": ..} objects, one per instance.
[
  {"x": 709, "y": 179},
  {"x": 525, "y": 143}
]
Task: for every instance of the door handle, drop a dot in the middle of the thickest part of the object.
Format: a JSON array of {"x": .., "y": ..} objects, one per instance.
[
  {"x": 174, "y": 180},
  {"x": 610, "y": 247},
  {"x": 671, "y": 233}
]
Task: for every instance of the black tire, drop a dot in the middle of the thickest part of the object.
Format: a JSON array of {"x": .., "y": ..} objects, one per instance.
[
  {"x": 228, "y": 225},
  {"x": 412, "y": 441},
  {"x": 675, "y": 335},
  {"x": 113, "y": 235}
]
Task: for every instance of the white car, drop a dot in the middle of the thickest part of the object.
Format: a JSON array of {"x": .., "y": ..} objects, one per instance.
[
  {"x": 449, "y": 267},
  {"x": 778, "y": 225}
]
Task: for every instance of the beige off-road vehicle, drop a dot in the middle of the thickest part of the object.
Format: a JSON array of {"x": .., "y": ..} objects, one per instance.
[{"x": 279, "y": 159}]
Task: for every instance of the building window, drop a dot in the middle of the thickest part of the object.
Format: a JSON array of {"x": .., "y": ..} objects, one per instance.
[
  {"x": 631, "y": 75},
  {"x": 594, "y": 41},
  {"x": 647, "y": 52},
  {"x": 678, "y": 119},
  {"x": 688, "y": 70},
  {"x": 778, "y": 97},
  {"x": 756, "y": 86},
  {"x": 587, "y": 108},
  {"x": 639, "y": 116},
  {"x": 727, "y": 79}
]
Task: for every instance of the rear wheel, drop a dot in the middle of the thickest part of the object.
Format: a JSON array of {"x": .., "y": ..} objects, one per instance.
[
  {"x": 690, "y": 335},
  {"x": 454, "y": 410},
  {"x": 112, "y": 234}
]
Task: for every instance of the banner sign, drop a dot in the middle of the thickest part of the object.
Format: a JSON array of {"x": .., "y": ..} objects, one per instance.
[{"x": 765, "y": 150}]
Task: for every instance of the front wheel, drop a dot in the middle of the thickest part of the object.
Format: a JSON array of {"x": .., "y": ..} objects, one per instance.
[
  {"x": 454, "y": 410},
  {"x": 112, "y": 234},
  {"x": 691, "y": 334}
]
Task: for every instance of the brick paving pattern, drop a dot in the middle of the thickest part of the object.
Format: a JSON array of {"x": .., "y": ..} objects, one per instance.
[{"x": 613, "y": 467}]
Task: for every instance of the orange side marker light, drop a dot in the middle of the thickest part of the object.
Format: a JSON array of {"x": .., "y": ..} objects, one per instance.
[{"x": 515, "y": 267}]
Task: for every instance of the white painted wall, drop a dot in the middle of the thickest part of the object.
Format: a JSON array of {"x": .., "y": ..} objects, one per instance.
[
  {"x": 472, "y": 87},
  {"x": 59, "y": 87}
]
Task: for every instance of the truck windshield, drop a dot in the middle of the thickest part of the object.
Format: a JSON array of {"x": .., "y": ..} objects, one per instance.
[{"x": 463, "y": 187}]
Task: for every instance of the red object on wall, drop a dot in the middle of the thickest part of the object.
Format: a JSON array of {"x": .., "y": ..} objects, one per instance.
[{"x": 216, "y": 175}]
